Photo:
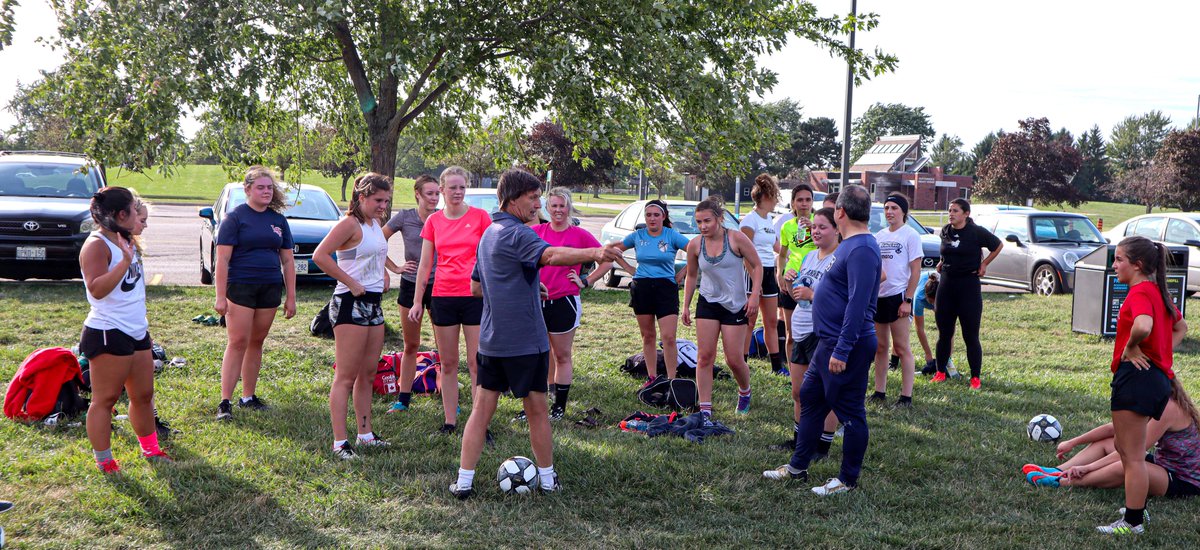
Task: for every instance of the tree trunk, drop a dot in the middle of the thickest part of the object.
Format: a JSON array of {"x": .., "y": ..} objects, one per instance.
[
  {"x": 1149, "y": 208},
  {"x": 383, "y": 152},
  {"x": 345, "y": 179}
]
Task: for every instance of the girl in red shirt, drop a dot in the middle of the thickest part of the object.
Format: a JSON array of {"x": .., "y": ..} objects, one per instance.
[{"x": 1148, "y": 329}]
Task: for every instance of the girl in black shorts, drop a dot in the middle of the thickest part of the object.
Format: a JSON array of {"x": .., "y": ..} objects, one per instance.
[
  {"x": 116, "y": 337},
  {"x": 355, "y": 310},
  {"x": 724, "y": 257},
  {"x": 1149, "y": 327},
  {"x": 409, "y": 223},
  {"x": 255, "y": 269},
  {"x": 758, "y": 224}
]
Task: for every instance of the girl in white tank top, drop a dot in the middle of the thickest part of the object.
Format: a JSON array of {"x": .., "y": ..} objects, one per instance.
[
  {"x": 124, "y": 308},
  {"x": 365, "y": 261}
]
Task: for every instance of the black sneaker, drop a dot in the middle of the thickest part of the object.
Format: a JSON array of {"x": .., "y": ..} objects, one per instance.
[
  {"x": 894, "y": 362},
  {"x": 488, "y": 439},
  {"x": 447, "y": 429},
  {"x": 5, "y": 505},
  {"x": 788, "y": 446},
  {"x": 254, "y": 403},
  {"x": 163, "y": 428},
  {"x": 345, "y": 452},
  {"x": 877, "y": 398},
  {"x": 557, "y": 413},
  {"x": 903, "y": 403},
  {"x": 929, "y": 368},
  {"x": 224, "y": 411},
  {"x": 461, "y": 494},
  {"x": 520, "y": 417}
]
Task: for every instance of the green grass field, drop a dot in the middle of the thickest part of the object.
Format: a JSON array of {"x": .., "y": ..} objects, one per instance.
[{"x": 942, "y": 475}]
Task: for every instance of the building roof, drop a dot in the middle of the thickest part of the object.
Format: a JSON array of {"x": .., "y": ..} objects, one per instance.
[{"x": 888, "y": 154}]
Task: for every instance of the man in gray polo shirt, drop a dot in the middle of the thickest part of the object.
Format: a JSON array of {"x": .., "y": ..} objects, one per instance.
[{"x": 514, "y": 351}]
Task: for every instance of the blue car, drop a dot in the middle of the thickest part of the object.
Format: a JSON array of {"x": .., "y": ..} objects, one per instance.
[{"x": 311, "y": 213}]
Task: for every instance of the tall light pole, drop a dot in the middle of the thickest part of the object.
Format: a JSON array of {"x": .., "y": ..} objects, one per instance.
[{"x": 849, "y": 100}]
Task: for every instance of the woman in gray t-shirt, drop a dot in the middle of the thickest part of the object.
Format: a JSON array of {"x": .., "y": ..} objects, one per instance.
[{"x": 408, "y": 224}]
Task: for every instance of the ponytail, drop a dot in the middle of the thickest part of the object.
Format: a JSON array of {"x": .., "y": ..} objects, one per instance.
[
  {"x": 1160, "y": 279},
  {"x": 1180, "y": 397},
  {"x": 108, "y": 204}
]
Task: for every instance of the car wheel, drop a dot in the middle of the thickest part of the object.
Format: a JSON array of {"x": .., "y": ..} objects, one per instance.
[
  {"x": 206, "y": 276},
  {"x": 611, "y": 279},
  {"x": 1045, "y": 281}
]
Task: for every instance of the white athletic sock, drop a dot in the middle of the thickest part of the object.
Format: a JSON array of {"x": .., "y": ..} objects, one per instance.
[
  {"x": 547, "y": 476},
  {"x": 337, "y": 443},
  {"x": 246, "y": 399},
  {"x": 466, "y": 478},
  {"x": 367, "y": 437}
]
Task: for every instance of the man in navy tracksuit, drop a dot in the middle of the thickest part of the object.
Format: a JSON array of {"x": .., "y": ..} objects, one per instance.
[{"x": 843, "y": 317}]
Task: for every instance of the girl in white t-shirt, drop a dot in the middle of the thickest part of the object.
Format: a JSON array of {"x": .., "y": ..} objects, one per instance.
[
  {"x": 900, "y": 247},
  {"x": 758, "y": 225}
]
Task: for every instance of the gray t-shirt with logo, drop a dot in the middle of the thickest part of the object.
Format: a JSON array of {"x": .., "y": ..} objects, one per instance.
[
  {"x": 507, "y": 267},
  {"x": 408, "y": 224}
]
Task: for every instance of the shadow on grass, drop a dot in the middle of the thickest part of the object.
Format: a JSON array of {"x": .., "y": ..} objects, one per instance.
[{"x": 208, "y": 509}]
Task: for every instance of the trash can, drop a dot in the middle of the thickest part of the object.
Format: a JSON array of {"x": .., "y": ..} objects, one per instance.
[{"x": 1098, "y": 294}]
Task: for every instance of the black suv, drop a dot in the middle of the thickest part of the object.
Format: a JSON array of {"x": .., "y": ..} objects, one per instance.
[{"x": 44, "y": 202}]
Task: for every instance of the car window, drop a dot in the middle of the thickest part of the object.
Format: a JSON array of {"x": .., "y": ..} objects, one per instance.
[
  {"x": 683, "y": 218},
  {"x": 488, "y": 202},
  {"x": 1012, "y": 225},
  {"x": 310, "y": 204},
  {"x": 1065, "y": 229},
  {"x": 1179, "y": 232},
  {"x": 1151, "y": 228},
  {"x": 627, "y": 218},
  {"x": 47, "y": 179}
]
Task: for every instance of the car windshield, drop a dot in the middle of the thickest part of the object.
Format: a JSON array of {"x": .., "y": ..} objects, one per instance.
[
  {"x": 305, "y": 204},
  {"x": 878, "y": 221},
  {"x": 683, "y": 219},
  {"x": 491, "y": 203},
  {"x": 1064, "y": 229},
  {"x": 47, "y": 179}
]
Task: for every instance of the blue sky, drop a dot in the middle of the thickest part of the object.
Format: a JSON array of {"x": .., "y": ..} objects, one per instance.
[{"x": 974, "y": 66}]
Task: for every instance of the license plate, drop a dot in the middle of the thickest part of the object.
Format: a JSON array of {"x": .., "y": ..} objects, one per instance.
[
  {"x": 302, "y": 267},
  {"x": 31, "y": 253}
]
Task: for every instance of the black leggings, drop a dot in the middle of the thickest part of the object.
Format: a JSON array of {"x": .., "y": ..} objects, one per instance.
[{"x": 959, "y": 298}]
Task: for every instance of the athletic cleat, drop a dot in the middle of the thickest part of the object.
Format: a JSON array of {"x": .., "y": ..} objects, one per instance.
[
  {"x": 377, "y": 442},
  {"x": 158, "y": 457},
  {"x": 1026, "y": 469},
  {"x": 1121, "y": 527},
  {"x": 254, "y": 403},
  {"x": 832, "y": 487},
  {"x": 345, "y": 452},
  {"x": 557, "y": 413},
  {"x": 975, "y": 383},
  {"x": 877, "y": 398},
  {"x": 1145, "y": 515},
  {"x": 929, "y": 368},
  {"x": 938, "y": 378},
  {"x": 164, "y": 429},
  {"x": 784, "y": 472},
  {"x": 397, "y": 407},
  {"x": 903, "y": 404},
  {"x": 447, "y": 429},
  {"x": 1041, "y": 479},
  {"x": 109, "y": 466},
  {"x": 460, "y": 493},
  {"x": 557, "y": 488},
  {"x": 783, "y": 371},
  {"x": 743, "y": 404},
  {"x": 520, "y": 417},
  {"x": 224, "y": 411}
]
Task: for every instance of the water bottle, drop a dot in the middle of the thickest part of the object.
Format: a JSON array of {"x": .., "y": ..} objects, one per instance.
[
  {"x": 635, "y": 425},
  {"x": 52, "y": 420}
]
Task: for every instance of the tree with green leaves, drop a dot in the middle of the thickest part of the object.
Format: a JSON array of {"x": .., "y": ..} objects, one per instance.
[
  {"x": 893, "y": 119},
  {"x": 549, "y": 148},
  {"x": 947, "y": 153},
  {"x": 610, "y": 70},
  {"x": 1094, "y": 173},
  {"x": 40, "y": 122},
  {"x": 1180, "y": 156},
  {"x": 804, "y": 143},
  {"x": 980, "y": 152},
  {"x": 1135, "y": 140},
  {"x": 1030, "y": 164}
]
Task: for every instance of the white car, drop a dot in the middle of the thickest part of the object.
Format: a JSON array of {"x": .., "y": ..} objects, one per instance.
[
  {"x": 1176, "y": 229},
  {"x": 682, "y": 214}
]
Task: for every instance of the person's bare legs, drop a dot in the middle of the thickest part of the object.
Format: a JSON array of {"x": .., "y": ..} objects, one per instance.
[
  {"x": 540, "y": 438},
  {"x": 1092, "y": 452},
  {"x": 252, "y": 358},
  {"x": 108, "y": 380},
  {"x": 139, "y": 384},
  {"x": 903, "y": 348},
  {"x": 363, "y": 386},
  {"x": 239, "y": 322},
  {"x": 668, "y": 328},
  {"x": 477, "y": 425},
  {"x": 707, "y": 332},
  {"x": 649, "y": 347},
  {"x": 919, "y": 322},
  {"x": 471, "y": 335},
  {"x": 447, "y": 337},
  {"x": 412, "y": 345},
  {"x": 731, "y": 338},
  {"x": 1130, "y": 428},
  {"x": 883, "y": 334},
  {"x": 349, "y": 341}
]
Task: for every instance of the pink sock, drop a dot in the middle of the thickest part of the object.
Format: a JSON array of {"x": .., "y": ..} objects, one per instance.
[{"x": 149, "y": 444}]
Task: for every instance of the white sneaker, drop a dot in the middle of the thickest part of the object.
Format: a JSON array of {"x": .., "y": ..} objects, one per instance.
[
  {"x": 1121, "y": 527},
  {"x": 785, "y": 472},
  {"x": 1145, "y": 515},
  {"x": 831, "y": 487}
]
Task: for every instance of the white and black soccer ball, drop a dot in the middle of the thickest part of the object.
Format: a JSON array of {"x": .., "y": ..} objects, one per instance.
[
  {"x": 1044, "y": 428},
  {"x": 517, "y": 476}
]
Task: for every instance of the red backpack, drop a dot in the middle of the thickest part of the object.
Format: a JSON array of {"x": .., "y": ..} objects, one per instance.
[
  {"x": 36, "y": 386},
  {"x": 386, "y": 375}
]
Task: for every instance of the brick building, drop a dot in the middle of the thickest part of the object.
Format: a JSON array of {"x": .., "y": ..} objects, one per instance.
[{"x": 895, "y": 164}]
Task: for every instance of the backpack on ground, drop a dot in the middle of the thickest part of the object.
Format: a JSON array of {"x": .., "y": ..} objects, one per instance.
[
  {"x": 635, "y": 365},
  {"x": 677, "y": 394},
  {"x": 429, "y": 366},
  {"x": 388, "y": 375},
  {"x": 758, "y": 344},
  {"x": 37, "y": 388},
  {"x": 322, "y": 326}
]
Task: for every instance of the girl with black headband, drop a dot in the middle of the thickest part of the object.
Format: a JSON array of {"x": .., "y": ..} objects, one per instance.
[
  {"x": 900, "y": 247},
  {"x": 654, "y": 291}
]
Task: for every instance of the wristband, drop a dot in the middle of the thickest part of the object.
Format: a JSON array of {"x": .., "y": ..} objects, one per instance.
[{"x": 586, "y": 283}]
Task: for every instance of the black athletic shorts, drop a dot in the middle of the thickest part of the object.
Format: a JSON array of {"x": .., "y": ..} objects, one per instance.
[
  {"x": 447, "y": 311},
  {"x": 254, "y": 295},
  {"x": 717, "y": 312},
  {"x": 1176, "y": 487},
  {"x": 804, "y": 349},
  {"x": 520, "y": 375},
  {"x": 408, "y": 291},
  {"x": 770, "y": 286},
  {"x": 95, "y": 342},
  {"x": 654, "y": 296},
  {"x": 1142, "y": 391},
  {"x": 363, "y": 311},
  {"x": 562, "y": 315},
  {"x": 887, "y": 308},
  {"x": 786, "y": 301}
]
